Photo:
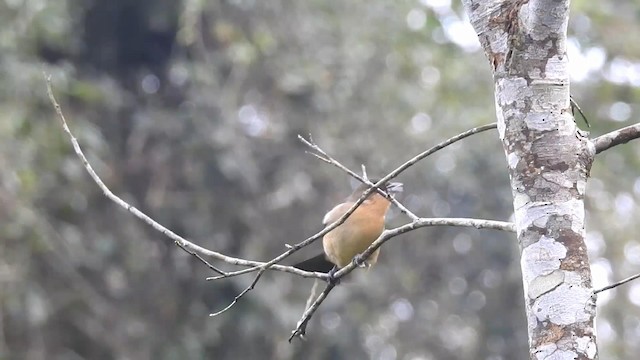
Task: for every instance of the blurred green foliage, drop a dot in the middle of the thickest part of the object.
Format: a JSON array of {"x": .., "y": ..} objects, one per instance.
[{"x": 190, "y": 111}]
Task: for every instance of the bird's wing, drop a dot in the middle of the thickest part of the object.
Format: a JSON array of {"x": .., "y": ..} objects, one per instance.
[{"x": 335, "y": 213}]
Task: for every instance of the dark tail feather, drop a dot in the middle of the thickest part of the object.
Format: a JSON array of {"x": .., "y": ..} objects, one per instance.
[{"x": 317, "y": 264}]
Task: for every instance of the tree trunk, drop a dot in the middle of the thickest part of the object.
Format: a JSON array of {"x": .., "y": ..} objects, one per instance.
[{"x": 549, "y": 160}]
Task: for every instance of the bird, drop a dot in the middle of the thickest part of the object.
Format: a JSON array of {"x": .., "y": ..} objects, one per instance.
[{"x": 347, "y": 241}]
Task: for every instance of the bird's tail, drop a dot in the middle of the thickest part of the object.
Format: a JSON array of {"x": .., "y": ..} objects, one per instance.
[{"x": 317, "y": 263}]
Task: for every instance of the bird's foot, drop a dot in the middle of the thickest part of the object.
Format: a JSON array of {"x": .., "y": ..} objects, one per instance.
[
  {"x": 359, "y": 261},
  {"x": 332, "y": 279}
]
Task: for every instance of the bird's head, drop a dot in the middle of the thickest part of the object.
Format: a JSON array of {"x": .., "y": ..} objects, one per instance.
[{"x": 391, "y": 188}]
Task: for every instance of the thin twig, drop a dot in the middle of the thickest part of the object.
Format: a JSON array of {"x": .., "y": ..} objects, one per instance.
[
  {"x": 615, "y": 285},
  {"x": 197, "y": 256},
  {"x": 418, "y": 223},
  {"x": 440, "y": 146},
  {"x": 574, "y": 105},
  {"x": 301, "y": 327},
  {"x": 312, "y": 294},
  {"x": 319, "y": 157},
  {"x": 239, "y": 296}
]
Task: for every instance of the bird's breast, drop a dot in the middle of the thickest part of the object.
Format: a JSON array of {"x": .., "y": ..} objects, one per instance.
[{"x": 353, "y": 237}]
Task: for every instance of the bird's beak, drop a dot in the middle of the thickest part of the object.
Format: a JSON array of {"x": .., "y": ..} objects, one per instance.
[{"x": 394, "y": 188}]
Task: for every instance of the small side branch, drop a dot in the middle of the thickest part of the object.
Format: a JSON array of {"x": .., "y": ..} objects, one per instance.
[
  {"x": 615, "y": 285},
  {"x": 617, "y": 137},
  {"x": 203, "y": 254},
  {"x": 301, "y": 327},
  {"x": 322, "y": 155}
]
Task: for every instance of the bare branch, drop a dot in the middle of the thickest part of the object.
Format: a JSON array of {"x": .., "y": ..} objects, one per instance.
[
  {"x": 310, "y": 308},
  {"x": 184, "y": 244},
  {"x": 384, "y": 237},
  {"x": 320, "y": 157},
  {"x": 617, "y": 137},
  {"x": 616, "y": 284},
  {"x": 327, "y": 158},
  {"x": 441, "y": 146},
  {"x": 239, "y": 296},
  {"x": 418, "y": 223},
  {"x": 201, "y": 259},
  {"x": 301, "y": 327}
]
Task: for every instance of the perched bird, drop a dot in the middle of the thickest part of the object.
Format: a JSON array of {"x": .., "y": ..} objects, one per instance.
[{"x": 357, "y": 232}]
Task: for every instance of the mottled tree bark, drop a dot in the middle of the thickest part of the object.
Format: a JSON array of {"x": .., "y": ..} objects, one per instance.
[{"x": 548, "y": 159}]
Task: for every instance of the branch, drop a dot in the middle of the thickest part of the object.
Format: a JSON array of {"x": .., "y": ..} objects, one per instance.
[
  {"x": 199, "y": 252},
  {"x": 616, "y": 284},
  {"x": 424, "y": 222},
  {"x": 330, "y": 160},
  {"x": 301, "y": 327},
  {"x": 391, "y": 175},
  {"x": 201, "y": 259},
  {"x": 438, "y": 147},
  {"x": 418, "y": 223},
  {"x": 326, "y": 158},
  {"x": 384, "y": 237},
  {"x": 363, "y": 179},
  {"x": 617, "y": 137}
]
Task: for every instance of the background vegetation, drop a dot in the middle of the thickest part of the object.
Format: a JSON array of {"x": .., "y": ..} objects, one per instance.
[{"x": 190, "y": 110}]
